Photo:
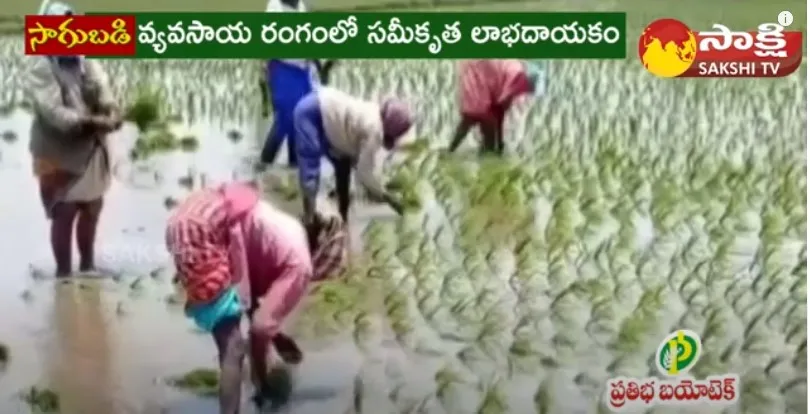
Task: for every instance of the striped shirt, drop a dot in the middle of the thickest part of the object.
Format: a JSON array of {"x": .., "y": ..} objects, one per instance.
[
  {"x": 226, "y": 236},
  {"x": 354, "y": 128},
  {"x": 198, "y": 236}
]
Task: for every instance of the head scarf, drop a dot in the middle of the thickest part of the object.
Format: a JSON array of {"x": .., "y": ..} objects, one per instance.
[
  {"x": 55, "y": 8},
  {"x": 202, "y": 261},
  {"x": 196, "y": 236},
  {"x": 396, "y": 118},
  {"x": 536, "y": 73}
]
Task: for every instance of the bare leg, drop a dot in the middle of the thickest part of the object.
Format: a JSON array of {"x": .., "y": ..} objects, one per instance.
[
  {"x": 231, "y": 347},
  {"x": 343, "y": 174},
  {"x": 63, "y": 216},
  {"x": 272, "y": 143},
  {"x": 462, "y": 130},
  {"x": 86, "y": 227},
  {"x": 490, "y": 136},
  {"x": 499, "y": 121}
]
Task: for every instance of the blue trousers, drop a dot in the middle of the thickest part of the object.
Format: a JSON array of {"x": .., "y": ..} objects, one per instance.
[
  {"x": 311, "y": 145},
  {"x": 288, "y": 85}
]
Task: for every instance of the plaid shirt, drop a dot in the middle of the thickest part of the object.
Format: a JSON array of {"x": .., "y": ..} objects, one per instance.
[
  {"x": 197, "y": 236},
  {"x": 332, "y": 253}
]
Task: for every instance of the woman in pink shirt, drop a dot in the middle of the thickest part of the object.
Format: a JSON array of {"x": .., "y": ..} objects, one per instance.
[
  {"x": 237, "y": 255},
  {"x": 488, "y": 89}
]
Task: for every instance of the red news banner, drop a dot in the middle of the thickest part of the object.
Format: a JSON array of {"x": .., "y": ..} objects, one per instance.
[
  {"x": 769, "y": 52},
  {"x": 94, "y": 35}
]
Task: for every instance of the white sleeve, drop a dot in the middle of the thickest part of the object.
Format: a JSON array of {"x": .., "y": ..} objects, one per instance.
[
  {"x": 45, "y": 93},
  {"x": 367, "y": 165},
  {"x": 274, "y": 6}
]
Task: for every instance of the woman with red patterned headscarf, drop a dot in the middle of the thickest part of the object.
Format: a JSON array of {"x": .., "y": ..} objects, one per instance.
[{"x": 237, "y": 255}]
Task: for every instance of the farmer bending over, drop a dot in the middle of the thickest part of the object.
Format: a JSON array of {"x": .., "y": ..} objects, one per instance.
[
  {"x": 74, "y": 110},
  {"x": 238, "y": 255},
  {"x": 289, "y": 81},
  {"x": 488, "y": 89},
  {"x": 349, "y": 131}
]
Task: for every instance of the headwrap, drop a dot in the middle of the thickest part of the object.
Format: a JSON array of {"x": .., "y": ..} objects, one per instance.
[
  {"x": 202, "y": 260},
  {"x": 536, "y": 72},
  {"x": 396, "y": 118},
  {"x": 57, "y": 8},
  {"x": 54, "y": 8},
  {"x": 331, "y": 253},
  {"x": 197, "y": 236}
]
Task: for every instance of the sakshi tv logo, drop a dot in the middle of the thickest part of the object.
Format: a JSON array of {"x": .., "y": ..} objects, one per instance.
[
  {"x": 670, "y": 49},
  {"x": 677, "y": 354}
]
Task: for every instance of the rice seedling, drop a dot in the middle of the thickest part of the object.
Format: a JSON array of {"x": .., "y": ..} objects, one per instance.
[
  {"x": 169, "y": 202},
  {"x": 8, "y": 136},
  {"x": 189, "y": 143},
  {"x": 41, "y": 400},
  {"x": 203, "y": 382},
  {"x": 144, "y": 111},
  {"x": 5, "y": 355},
  {"x": 234, "y": 135}
]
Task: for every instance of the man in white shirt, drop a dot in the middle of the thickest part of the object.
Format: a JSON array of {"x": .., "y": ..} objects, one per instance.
[{"x": 350, "y": 132}]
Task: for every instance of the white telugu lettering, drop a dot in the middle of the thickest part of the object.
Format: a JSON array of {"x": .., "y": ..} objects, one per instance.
[
  {"x": 770, "y": 41},
  {"x": 723, "y": 38}
]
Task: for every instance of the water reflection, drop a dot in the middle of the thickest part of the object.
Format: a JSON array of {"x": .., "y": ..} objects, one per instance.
[{"x": 80, "y": 359}]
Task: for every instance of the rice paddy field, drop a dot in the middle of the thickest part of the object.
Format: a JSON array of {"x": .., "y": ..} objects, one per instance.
[{"x": 627, "y": 207}]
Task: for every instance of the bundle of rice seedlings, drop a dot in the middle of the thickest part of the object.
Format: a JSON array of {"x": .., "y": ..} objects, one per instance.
[
  {"x": 41, "y": 400},
  {"x": 144, "y": 111},
  {"x": 203, "y": 382}
]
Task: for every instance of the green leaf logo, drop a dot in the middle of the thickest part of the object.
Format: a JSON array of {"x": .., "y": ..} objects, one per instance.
[{"x": 678, "y": 353}]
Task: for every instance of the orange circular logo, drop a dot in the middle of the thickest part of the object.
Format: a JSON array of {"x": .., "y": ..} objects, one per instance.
[{"x": 667, "y": 48}]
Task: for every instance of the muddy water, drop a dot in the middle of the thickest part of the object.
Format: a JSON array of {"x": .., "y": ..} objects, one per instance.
[{"x": 105, "y": 343}]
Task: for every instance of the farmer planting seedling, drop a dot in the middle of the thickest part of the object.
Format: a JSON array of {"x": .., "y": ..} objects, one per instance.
[
  {"x": 237, "y": 255},
  {"x": 74, "y": 110},
  {"x": 488, "y": 89},
  {"x": 289, "y": 81},
  {"x": 349, "y": 131}
]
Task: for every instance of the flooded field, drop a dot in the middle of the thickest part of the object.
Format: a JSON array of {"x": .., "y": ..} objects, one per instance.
[{"x": 628, "y": 207}]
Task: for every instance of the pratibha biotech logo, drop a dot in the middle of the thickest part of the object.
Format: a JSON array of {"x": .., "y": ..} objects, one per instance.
[
  {"x": 675, "y": 357},
  {"x": 678, "y": 353}
]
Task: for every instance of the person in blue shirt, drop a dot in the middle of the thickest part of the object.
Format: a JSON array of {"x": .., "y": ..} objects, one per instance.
[{"x": 289, "y": 80}]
